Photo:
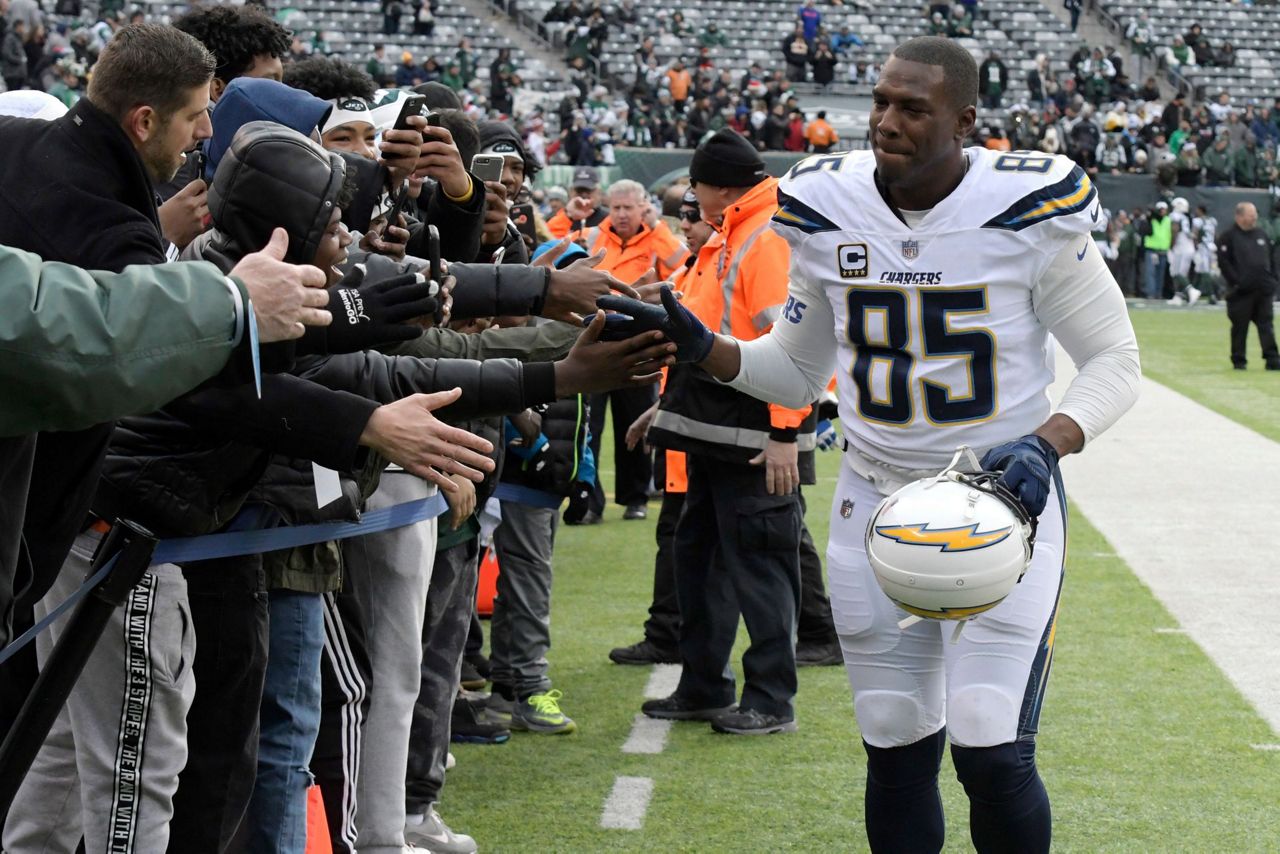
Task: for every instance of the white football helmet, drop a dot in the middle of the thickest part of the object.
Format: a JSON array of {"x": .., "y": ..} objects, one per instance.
[{"x": 951, "y": 546}]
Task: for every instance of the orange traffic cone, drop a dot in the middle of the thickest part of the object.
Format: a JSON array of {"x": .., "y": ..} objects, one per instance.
[
  {"x": 487, "y": 586},
  {"x": 318, "y": 841}
]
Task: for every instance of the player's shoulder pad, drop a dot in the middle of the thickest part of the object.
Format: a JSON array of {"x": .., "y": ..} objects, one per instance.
[
  {"x": 1042, "y": 189},
  {"x": 812, "y": 190}
]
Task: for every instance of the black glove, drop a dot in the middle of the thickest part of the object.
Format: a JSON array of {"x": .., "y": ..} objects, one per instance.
[
  {"x": 369, "y": 315},
  {"x": 1026, "y": 468},
  {"x": 579, "y": 502},
  {"x": 693, "y": 340}
]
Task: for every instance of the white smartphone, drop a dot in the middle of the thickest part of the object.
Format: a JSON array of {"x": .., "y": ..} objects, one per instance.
[{"x": 487, "y": 167}]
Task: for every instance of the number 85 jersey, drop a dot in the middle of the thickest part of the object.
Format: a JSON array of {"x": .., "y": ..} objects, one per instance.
[{"x": 939, "y": 340}]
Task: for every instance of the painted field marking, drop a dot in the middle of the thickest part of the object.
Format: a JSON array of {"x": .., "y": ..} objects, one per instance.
[
  {"x": 662, "y": 681},
  {"x": 1132, "y": 483},
  {"x": 648, "y": 735},
  {"x": 625, "y": 807},
  {"x": 1269, "y": 747},
  {"x": 1170, "y": 630}
]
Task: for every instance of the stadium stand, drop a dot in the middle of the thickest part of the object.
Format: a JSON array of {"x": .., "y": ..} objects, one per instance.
[{"x": 1252, "y": 31}]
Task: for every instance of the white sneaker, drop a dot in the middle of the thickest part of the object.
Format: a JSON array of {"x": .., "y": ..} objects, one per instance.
[
  {"x": 435, "y": 836},
  {"x": 449, "y": 760},
  {"x": 1177, "y": 300},
  {"x": 1193, "y": 295}
]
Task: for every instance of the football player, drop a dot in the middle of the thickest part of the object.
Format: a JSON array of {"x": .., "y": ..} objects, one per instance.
[{"x": 942, "y": 271}]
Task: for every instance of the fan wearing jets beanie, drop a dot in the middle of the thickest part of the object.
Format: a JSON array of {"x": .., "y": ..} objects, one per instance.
[{"x": 749, "y": 482}]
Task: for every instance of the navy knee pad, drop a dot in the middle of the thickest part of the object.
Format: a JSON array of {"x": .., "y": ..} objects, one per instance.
[
  {"x": 1008, "y": 806},
  {"x": 903, "y": 807}
]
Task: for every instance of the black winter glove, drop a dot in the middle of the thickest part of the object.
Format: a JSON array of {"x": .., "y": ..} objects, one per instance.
[
  {"x": 693, "y": 340},
  {"x": 368, "y": 315},
  {"x": 579, "y": 502}
]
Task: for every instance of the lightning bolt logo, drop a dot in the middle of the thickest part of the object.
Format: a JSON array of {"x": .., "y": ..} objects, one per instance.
[{"x": 961, "y": 539}]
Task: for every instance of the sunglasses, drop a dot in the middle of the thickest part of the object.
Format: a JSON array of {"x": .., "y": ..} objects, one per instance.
[{"x": 691, "y": 216}]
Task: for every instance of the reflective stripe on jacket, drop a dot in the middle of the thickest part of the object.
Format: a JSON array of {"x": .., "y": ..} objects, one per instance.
[{"x": 737, "y": 286}]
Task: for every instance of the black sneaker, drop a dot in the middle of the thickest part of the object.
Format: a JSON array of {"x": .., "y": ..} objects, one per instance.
[
  {"x": 480, "y": 662},
  {"x": 469, "y": 725},
  {"x": 471, "y": 678},
  {"x": 677, "y": 708},
  {"x": 818, "y": 655},
  {"x": 643, "y": 653},
  {"x": 751, "y": 722},
  {"x": 636, "y": 511}
]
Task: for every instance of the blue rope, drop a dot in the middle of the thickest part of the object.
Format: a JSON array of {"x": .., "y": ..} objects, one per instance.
[{"x": 231, "y": 543}]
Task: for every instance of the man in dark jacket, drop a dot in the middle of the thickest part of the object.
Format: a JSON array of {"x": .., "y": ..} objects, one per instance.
[
  {"x": 993, "y": 80},
  {"x": 1248, "y": 263}
]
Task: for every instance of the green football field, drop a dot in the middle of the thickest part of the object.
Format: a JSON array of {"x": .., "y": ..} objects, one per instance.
[{"x": 1145, "y": 746}]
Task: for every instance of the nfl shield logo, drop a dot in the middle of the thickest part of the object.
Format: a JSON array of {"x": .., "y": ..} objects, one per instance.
[
  {"x": 846, "y": 509},
  {"x": 910, "y": 249}
]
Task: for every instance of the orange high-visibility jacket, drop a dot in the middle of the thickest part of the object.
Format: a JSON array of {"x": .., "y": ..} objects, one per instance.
[
  {"x": 628, "y": 260},
  {"x": 737, "y": 286},
  {"x": 560, "y": 225}
]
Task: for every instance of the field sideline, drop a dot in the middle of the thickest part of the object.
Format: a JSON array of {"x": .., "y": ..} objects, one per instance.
[{"x": 1146, "y": 745}]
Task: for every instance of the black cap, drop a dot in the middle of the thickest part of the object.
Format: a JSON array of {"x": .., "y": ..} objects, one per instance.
[
  {"x": 586, "y": 177},
  {"x": 727, "y": 160}
]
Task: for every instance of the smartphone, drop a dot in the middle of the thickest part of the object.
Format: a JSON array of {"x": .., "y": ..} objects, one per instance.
[
  {"x": 487, "y": 167},
  {"x": 435, "y": 267},
  {"x": 433, "y": 119},
  {"x": 414, "y": 105},
  {"x": 522, "y": 216}
]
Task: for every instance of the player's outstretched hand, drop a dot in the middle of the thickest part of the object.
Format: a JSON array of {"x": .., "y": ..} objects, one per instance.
[
  {"x": 284, "y": 296},
  {"x": 594, "y": 365},
  {"x": 1026, "y": 468},
  {"x": 693, "y": 339}
]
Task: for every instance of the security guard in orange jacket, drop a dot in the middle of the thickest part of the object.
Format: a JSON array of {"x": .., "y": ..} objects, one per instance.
[
  {"x": 631, "y": 248},
  {"x": 737, "y": 542},
  {"x": 583, "y": 209},
  {"x": 662, "y": 630}
]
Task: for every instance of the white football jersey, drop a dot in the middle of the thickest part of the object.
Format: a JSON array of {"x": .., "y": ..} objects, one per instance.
[{"x": 939, "y": 342}]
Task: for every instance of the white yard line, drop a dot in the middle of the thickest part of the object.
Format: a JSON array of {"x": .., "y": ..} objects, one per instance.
[
  {"x": 1188, "y": 500},
  {"x": 662, "y": 681},
  {"x": 648, "y": 735},
  {"x": 625, "y": 807}
]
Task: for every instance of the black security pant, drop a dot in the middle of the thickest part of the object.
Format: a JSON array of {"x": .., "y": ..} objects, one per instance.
[
  {"x": 662, "y": 629},
  {"x": 633, "y": 469},
  {"x": 1252, "y": 307},
  {"x": 232, "y": 622},
  {"x": 737, "y": 551}
]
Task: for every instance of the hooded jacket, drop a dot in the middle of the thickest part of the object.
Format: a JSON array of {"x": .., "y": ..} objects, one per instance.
[{"x": 249, "y": 99}]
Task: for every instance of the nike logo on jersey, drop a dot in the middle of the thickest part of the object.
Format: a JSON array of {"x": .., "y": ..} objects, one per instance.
[
  {"x": 1095, "y": 213},
  {"x": 1081, "y": 253},
  {"x": 961, "y": 539}
]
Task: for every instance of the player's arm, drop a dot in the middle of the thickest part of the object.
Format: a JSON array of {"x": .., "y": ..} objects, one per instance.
[
  {"x": 791, "y": 365},
  {"x": 1079, "y": 302}
]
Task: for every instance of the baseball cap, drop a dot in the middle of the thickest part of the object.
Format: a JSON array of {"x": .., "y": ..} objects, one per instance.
[{"x": 586, "y": 177}]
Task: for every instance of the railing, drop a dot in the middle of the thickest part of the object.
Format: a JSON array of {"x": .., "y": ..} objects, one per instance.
[{"x": 537, "y": 30}]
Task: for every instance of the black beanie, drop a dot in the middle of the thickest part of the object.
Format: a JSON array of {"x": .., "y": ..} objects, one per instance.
[{"x": 727, "y": 160}]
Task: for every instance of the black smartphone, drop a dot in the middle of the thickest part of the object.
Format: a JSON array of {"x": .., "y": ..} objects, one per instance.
[
  {"x": 435, "y": 267},
  {"x": 414, "y": 105},
  {"x": 522, "y": 216}
]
